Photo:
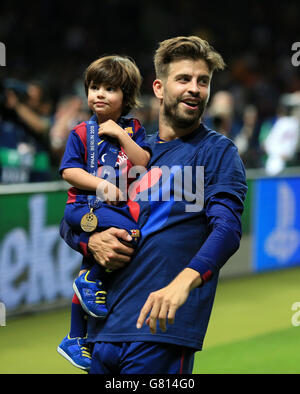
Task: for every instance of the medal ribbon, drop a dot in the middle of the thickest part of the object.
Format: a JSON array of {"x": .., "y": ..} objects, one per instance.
[{"x": 111, "y": 156}]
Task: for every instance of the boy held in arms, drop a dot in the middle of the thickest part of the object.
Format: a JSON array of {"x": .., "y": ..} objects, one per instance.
[{"x": 112, "y": 85}]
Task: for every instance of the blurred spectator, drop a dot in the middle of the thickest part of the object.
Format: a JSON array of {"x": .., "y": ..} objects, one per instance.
[
  {"x": 147, "y": 114},
  {"x": 282, "y": 143},
  {"x": 220, "y": 115},
  {"x": 24, "y": 125},
  {"x": 152, "y": 125},
  {"x": 256, "y": 44},
  {"x": 70, "y": 111},
  {"x": 245, "y": 140}
]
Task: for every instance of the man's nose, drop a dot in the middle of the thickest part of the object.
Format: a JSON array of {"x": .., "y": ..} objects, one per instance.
[{"x": 194, "y": 87}]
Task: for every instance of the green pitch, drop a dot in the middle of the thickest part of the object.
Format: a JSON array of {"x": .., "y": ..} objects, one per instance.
[{"x": 250, "y": 331}]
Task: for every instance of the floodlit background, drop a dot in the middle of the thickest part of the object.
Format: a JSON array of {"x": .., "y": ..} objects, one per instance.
[{"x": 255, "y": 323}]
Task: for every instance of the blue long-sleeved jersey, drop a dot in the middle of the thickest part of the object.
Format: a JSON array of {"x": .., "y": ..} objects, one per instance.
[{"x": 176, "y": 233}]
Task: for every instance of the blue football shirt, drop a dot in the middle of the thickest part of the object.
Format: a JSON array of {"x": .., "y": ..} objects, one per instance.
[{"x": 175, "y": 236}]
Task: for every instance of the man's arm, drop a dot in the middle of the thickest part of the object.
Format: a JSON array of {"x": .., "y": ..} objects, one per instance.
[
  {"x": 110, "y": 248},
  {"x": 223, "y": 213},
  {"x": 37, "y": 123}
]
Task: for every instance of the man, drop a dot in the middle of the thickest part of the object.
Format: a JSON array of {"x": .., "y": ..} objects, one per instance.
[
  {"x": 169, "y": 281},
  {"x": 24, "y": 125}
]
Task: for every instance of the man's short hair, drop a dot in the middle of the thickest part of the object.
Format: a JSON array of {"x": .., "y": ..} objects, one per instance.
[
  {"x": 180, "y": 48},
  {"x": 118, "y": 72}
]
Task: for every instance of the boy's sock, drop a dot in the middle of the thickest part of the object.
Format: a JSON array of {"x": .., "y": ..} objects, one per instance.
[
  {"x": 95, "y": 273},
  {"x": 78, "y": 319}
]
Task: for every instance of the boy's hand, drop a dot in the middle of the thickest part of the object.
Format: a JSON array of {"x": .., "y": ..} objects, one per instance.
[
  {"x": 109, "y": 193},
  {"x": 111, "y": 129}
]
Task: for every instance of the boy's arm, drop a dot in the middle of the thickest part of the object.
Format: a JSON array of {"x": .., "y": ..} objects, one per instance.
[
  {"x": 136, "y": 154},
  {"x": 83, "y": 180}
]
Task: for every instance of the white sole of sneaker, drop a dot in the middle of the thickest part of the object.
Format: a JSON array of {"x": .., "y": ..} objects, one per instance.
[{"x": 64, "y": 354}]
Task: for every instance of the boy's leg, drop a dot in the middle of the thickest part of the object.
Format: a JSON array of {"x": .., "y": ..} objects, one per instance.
[
  {"x": 95, "y": 273},
  {"x": 74, "y": 346},
  {"x": 78, "y": 319},
  {"x": 91, "y": 293},
  {"x": 91, "y": 287},
  {"x": 74, "y": 213},
  {"x": 107, "y": 216}
]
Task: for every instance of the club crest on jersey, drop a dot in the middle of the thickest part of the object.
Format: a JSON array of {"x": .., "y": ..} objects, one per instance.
[
  {"x": 129, "y": 131},
  {"x": 135, "y": 233}
]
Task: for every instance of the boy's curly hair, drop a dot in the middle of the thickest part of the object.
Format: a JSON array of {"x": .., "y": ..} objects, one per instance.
[{"x": 118, "y": 72}]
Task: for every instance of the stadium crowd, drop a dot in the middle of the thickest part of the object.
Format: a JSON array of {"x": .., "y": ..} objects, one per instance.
[{"x": 255, "y": 101}]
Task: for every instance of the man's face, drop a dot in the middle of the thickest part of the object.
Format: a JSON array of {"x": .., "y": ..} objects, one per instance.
[{"x": 186, "y": 92}]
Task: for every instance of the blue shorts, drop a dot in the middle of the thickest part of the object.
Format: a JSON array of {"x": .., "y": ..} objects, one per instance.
[
  {"x": 141, "y": 358},
  {"x": 107, "y": 215}
]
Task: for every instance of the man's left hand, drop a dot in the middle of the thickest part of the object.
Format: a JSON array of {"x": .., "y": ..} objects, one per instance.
[{"x": 163, "y": 304}]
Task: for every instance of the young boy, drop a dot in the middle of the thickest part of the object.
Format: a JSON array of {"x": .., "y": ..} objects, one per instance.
[{"x": 112, "y": 85}]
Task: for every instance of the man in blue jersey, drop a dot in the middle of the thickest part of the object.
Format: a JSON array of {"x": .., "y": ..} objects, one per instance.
[{"x": 161, "y": 294}]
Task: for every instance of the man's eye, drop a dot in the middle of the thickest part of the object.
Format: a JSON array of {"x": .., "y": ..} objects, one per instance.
[
  {"x": 184, "y": 79},
  {"x": 204, "y": 81}
]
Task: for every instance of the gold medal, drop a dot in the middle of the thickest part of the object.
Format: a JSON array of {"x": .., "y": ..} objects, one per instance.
[{"x": 89, "y": 222}]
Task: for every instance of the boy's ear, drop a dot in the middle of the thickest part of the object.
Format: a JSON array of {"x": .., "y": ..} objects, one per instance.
[{"x": 158, "y": 88}]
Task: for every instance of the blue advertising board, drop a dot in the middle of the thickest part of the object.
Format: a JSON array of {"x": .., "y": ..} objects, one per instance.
[{"x": 276, "y": 223}]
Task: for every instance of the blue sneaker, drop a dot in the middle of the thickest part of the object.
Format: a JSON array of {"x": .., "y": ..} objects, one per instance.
[
  {"x": 76, "y": 351},
  {"x": 91, "y": 295}
]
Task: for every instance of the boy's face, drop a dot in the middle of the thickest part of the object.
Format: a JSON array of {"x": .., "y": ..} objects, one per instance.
[{"x": 105, "y": 101}]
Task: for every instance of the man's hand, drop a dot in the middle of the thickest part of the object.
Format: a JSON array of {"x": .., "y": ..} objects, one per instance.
[
  {"x": 163, "y": 304},
  {"x": 111, "y": 248}
]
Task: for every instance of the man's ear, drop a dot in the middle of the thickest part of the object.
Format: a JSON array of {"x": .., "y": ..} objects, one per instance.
[{"x": 158, "y": 89}]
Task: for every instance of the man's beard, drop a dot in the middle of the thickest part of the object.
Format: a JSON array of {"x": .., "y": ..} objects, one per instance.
[{"x": 180, "y": 119}]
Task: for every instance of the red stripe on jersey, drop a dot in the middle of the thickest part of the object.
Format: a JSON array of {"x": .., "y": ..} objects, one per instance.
[
  {"x": 84, "y": 248},
  {"x": 75, "y": 300},
  {"x": 136, "y": 125},
  {"x": 181, "y": 362},
  {"x": 134, "y": 209},
  {"x": 73, "y": 192},
  {"x": 80, "y": 130},
  {"x": 206, "y": 276}
]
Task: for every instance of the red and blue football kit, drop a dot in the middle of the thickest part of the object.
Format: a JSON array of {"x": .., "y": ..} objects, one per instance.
[
  {"x": 76, "y": 156},
  {"x": 175, "y": 235}
]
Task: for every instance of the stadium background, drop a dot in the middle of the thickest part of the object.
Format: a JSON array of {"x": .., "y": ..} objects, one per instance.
[{"x": 253, "y": 328}]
